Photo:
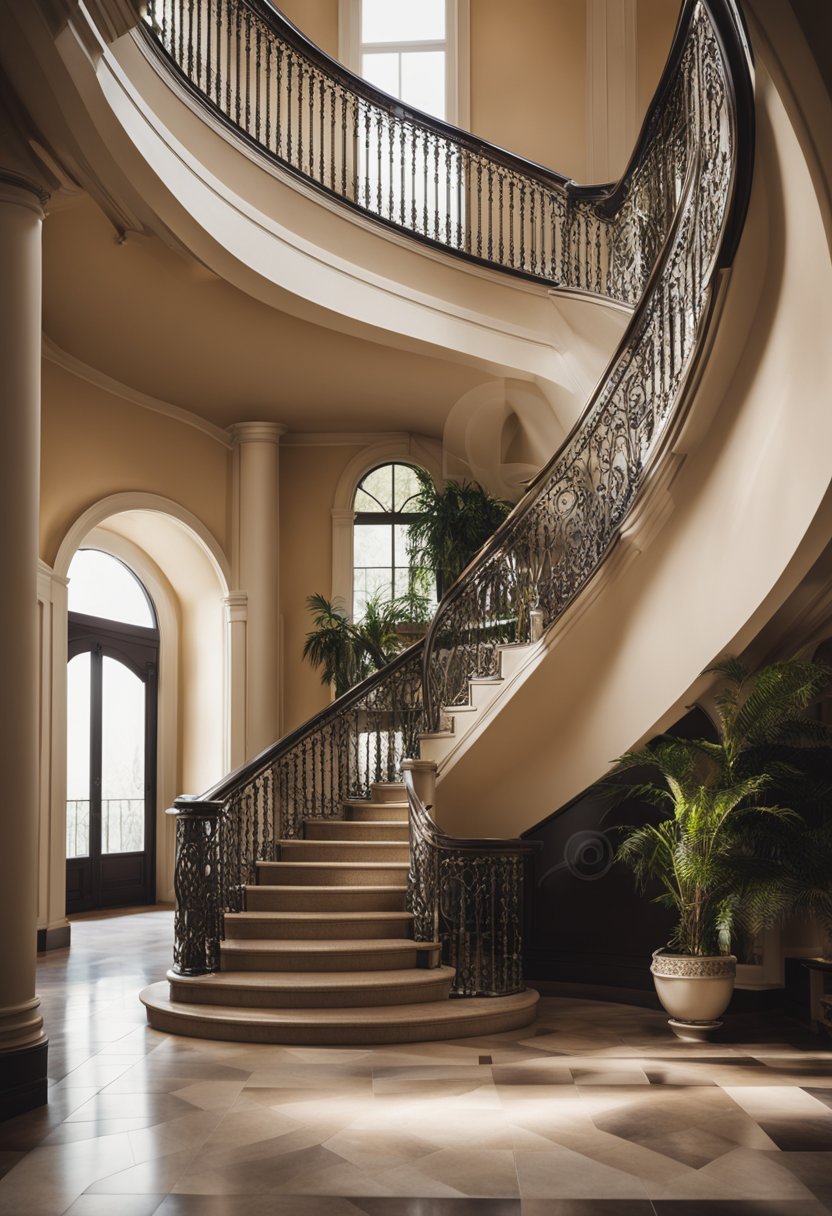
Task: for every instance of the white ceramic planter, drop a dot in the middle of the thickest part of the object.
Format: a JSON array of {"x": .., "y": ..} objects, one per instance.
[{"x": 694, "y": 991}]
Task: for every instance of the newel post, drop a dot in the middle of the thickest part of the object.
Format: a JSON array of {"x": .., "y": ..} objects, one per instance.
[{"x": 197, "y": 921}]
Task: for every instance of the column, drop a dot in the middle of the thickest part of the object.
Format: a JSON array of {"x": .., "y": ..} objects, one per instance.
[
  {"x": 22, "y": 1041},
  {"x": 236, "y": 618},
  {"x": 612, "y": 87},
  {"x": 258, "y": 565}
]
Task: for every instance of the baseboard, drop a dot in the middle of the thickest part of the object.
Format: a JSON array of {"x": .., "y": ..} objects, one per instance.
[
  {"x": 23, "y": 1085},
  {"x": 56, "y": 938}
]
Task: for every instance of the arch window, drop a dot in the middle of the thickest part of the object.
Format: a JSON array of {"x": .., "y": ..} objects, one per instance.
[{"x": 384, "y": 508}]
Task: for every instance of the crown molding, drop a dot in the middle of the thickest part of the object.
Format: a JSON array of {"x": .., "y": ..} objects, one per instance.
[{"x": 76, "y": 367}]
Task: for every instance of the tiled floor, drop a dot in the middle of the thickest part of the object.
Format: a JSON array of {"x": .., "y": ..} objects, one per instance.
[{"x": 596, "y": 1109}]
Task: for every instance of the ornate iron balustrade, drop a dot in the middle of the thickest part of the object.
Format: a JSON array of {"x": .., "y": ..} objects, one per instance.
[
  {"x": 416, "y": 173},
  {"x": 220, "y": 836},
  {"x": 468, "y": 896},
  {"x": 557, "y": 536}
]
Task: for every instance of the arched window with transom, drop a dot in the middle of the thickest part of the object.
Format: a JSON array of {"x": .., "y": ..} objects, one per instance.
[{"x": 384, "y": 506}]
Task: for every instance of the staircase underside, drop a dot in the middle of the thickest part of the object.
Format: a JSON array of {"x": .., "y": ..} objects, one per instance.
[{"x": 324, "y": 953}]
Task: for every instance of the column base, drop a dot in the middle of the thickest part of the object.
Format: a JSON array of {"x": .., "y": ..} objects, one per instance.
[
  {"x": 54, "y": 937},
  {"x": 23, "y": 1085}
]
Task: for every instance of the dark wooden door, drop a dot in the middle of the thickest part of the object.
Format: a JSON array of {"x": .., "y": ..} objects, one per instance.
[{"x": 111, "y": 770}]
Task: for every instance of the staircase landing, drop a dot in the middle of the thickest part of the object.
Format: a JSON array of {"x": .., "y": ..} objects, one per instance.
[{"x": 324, "y": 953}]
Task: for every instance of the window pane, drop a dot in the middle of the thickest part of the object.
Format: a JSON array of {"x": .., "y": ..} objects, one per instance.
[
  {"x": 402, "y": 20},
  {"x": 78, "y": 756},
  {"x": 379, "y": 484},
  {"x": 423, "y": 81},
  {"x": 373, "y": 545},
  {"x": 122, "y": 759},
  {"x": 382, "y": 70},
  {"x": 101, "y": 585},
  {"x": 406, "y": 484}
]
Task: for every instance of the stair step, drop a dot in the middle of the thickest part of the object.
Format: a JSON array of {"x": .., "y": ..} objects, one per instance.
[
  {"x": 346, "y": 829},
  {"x": 313, "y": 926},
  {"x": 313, "y": 989},
  {"x": 333, "y": 873},
  {"x": 354, "y": 852},
  {"x": 373, "y": 954},
  {"x": 360, "y": 810},
  {"x": 334, "y": 1027},
  {"x": 310, "y": 897},
  {"x": 388, "y": 791}
]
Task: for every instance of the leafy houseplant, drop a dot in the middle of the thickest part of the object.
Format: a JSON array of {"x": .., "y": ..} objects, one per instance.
[
  {"x": 347, "y": 651},
  {"x": 718, "y": 853},
  {"x": 451, "y": 525}
]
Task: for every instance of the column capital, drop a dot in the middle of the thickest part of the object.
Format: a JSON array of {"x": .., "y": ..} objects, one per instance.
[
  {"x": 23, "y": 191},
  {"x": 257, "y": 432}
]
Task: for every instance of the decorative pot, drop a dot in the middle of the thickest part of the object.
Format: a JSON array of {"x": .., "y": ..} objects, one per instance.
[{"x": 695, "y": 991}]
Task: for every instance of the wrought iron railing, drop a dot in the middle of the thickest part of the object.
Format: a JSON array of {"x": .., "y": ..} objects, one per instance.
[
  {"x": 557, "y": 536},
  {"x": 468, "y": 896},
  {"x": 413, "y": 172},
  {"x": 658, "y": 240},
  {"x": 359, "y": 739}
]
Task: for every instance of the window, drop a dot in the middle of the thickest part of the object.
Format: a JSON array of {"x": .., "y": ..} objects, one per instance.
[
  {"x": 416, "y": 50},
  {"x": 100, "y": 585},
  {"x": 404, "y": 51},
  {"x": 383, "y": 507}
]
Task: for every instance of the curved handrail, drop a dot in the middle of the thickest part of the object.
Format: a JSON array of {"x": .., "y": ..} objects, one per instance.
[
  {"x": 559, "y": 533},
  {"x": 410, "y": 171}
]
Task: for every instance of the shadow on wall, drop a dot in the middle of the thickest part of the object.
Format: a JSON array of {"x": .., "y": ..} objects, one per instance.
[{"x": 585, "y": 922}]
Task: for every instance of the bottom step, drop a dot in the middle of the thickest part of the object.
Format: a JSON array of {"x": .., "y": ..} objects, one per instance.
[{"x": 452, "y": 1019}]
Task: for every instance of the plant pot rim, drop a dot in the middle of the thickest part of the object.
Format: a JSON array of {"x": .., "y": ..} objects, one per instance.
[{"x": 666, "y": 952}]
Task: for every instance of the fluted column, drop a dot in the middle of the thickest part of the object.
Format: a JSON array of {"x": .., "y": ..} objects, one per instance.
[
  {"x": 258, "y": 565},
  {"x": 22, "y": 1041}
]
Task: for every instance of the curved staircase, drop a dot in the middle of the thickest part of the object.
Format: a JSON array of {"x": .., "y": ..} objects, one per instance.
[{"x": 324, "y": 952}]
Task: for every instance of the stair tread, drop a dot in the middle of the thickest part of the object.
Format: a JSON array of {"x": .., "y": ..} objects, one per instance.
[
  {"x": 292, "y": 981},
  {"x": 378, "y": 945},
  {"x": 341, "y": 865},
  {"x": 321, "y": 917},
  {"x": 343, "y": 844},
  {"x": 445, "y": 1011},
  {"x": 327, "y": 887}
]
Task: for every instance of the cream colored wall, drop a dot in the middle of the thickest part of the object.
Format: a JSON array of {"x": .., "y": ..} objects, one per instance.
[
  {"x": 528, "y": 79},
  {"x": 656, "y": 21},
  {"x": 308, "y": 478},
  {"x": 317, "y": 19},
  {"x": 95, "y": 444}
]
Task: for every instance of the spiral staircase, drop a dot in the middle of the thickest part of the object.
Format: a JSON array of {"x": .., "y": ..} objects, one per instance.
[{"x": 315, "y": 901}]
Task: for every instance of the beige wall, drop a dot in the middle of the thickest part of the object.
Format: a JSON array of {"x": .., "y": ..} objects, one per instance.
[
  {"x": 528, "y": 59},
  {"x": 95, "y": 444},
  {"x": 656, "y": 23},
  {"x": 317, "y": 19},
  {"x": 308, "y": 478}
]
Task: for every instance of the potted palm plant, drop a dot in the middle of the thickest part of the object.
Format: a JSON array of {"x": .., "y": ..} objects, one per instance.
[
  {"x": 711, "y": 853},
  {"x": 346, "y": 651}
]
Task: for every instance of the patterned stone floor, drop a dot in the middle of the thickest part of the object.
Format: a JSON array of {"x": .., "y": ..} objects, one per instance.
[{"x": 596, "y": 1109}]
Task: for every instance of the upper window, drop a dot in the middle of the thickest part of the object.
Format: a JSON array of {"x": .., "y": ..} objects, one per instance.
[
  {"x": 384, "y": 508},
  {"x": 416, "y": 50},
  {"x": 100, "y": 585},
  {"x": 404, "y": 51}
]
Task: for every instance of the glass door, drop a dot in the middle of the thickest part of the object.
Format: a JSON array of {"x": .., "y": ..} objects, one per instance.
[{"x": 111, "y": 757}]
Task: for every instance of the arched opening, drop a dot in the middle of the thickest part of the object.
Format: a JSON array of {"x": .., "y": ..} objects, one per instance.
[{"x": 112, "y": 677}]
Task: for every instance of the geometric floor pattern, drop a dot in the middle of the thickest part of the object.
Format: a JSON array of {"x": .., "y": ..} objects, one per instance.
[{"x": 594, "y": 1109}]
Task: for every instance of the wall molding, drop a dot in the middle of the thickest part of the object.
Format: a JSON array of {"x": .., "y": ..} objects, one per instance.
[{"x": 84, "y": 371}]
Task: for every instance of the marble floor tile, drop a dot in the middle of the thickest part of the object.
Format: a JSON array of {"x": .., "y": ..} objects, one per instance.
[{"x": 595, "y": 1111}]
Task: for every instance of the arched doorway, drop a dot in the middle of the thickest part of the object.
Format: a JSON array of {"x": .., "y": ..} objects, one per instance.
[{"x": 113, "y": 662}]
